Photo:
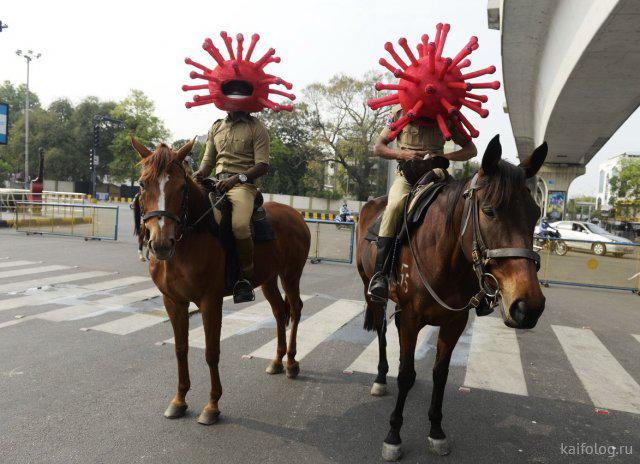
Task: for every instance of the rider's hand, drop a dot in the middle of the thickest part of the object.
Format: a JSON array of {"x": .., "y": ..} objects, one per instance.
[
  {"x": 228, "y": 184},
  {"x": 198, "y": 176},
  {"x": 408, "y": 155}
]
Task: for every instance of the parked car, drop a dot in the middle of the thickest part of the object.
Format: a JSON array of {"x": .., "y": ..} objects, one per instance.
[{"x": 593, "y": 238}]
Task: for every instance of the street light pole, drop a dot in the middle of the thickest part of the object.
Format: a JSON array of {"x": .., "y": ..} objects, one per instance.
[{"x": 28, "y": 56}]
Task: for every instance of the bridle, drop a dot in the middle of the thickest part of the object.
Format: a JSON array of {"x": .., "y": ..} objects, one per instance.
[
  {"x": 480, "y": 254},
  {"x": 181, "y": 219}
]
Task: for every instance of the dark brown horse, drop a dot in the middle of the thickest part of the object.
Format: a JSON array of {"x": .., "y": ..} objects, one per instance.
[
  {"x": 188, "y": 265},
  {"x": 478, "y": 235}
]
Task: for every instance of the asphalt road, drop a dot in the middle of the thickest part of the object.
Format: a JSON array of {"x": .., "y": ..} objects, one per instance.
[{"x": 72, "y": 395}]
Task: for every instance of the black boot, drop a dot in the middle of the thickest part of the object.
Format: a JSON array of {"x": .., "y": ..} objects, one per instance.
[
  {"x": 243, "y": 289},
  {"x": 379, "y": 284}
]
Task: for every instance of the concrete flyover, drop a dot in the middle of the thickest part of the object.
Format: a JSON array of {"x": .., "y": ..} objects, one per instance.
[{"x": 571, "y": 76}]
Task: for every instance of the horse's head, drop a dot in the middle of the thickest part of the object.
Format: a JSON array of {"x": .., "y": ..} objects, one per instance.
[
  {"x": 507, "y": 215},
  {"x": 163, "y": 189}
]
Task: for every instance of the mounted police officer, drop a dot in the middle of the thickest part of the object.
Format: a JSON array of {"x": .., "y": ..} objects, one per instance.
[{"x": 419, "y": 139}]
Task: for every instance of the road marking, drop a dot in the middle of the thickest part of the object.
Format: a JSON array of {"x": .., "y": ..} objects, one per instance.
[
  {"x": 97, "y": 307},
  {"x": 32, "y": 270},
  {"x": 59, "y": 279},
  {"x": 494, "y": 358},
  {"x": 17, "y": 263},
  {"x": 316, "y": 328},
  {"x": 130, "y": 324},
  {"x": 53, "y": 296},
  {"x": 607, "y": 383},
  {"x": 368, "y": 360},
  {"x": 637, "y": 337},
  {"x": 236, "y": 322}
]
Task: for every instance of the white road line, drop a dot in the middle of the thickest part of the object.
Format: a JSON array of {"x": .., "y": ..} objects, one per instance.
[
  {"x": 316, "y": 328},
  {"x": 637, "y": 337},
  {"x": 608, "y": 384},
  {"x": 494, "y": 358},
  {"x": 17, "y": 263},
  {"x": 368, "y": 360},
  {"x": 59, "y": 279},
  {"x": 56, "y": 295},
  {"x": 236, "y": 322},
  {"x": 31, "y": 270},
  {"x": 130, "y": 324},
  {"x": 97, "y": 307}
]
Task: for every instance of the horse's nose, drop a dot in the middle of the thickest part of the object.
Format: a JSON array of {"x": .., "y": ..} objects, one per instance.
[
  {"x": 162, "y": 249},
  {"x": 526, "y": 312}
]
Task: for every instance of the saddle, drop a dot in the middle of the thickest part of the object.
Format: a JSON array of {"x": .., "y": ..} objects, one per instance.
[
  {"x": 220, "y": 225},
  {"x": 424, "y": 192}
]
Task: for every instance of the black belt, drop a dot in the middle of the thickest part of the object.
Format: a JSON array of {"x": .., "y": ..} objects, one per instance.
[{"x": 227, "y": 175}]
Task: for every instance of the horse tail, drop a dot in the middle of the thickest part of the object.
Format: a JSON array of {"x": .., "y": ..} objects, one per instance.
[{"x": 137, "y": 215}]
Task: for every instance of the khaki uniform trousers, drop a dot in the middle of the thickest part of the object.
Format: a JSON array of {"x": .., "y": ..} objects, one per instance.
[
  {"x": 395, "y": 206},
  {"x": 242, "y": 197}
]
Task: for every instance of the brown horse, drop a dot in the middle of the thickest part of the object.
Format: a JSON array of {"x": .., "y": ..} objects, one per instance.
[
  {"x": 188, "y": 265},
  {"x": 476, "y": 240}
]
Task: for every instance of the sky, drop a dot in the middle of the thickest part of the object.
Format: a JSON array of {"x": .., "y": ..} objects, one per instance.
[{"x": 107, "y": 48}]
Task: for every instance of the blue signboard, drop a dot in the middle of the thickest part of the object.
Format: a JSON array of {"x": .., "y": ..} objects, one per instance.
[{"x": 4, "y": 123}]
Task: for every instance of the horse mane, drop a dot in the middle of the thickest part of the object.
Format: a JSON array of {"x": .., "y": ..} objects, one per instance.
[
  {"x": 158, "y": 162},
  {"x": 499, "y": 189}
]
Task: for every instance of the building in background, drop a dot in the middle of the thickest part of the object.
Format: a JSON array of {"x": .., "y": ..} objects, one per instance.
[{"x": 607, "y": 170}]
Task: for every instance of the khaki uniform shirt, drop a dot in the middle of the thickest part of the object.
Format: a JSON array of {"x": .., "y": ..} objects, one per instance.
[
  {"x": 420, "y": 137},
  {"x": 235, "y": 146}
]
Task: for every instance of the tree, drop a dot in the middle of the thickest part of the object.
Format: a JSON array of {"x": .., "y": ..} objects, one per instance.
[
  {"x": 467, "y": 170},
  {"x": 137, "y": 113},
  {"x": 344, "y": 129},
  {"x": 625, "y": 184}
]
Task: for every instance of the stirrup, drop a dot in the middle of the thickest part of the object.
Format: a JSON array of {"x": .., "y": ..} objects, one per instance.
[
  {"x": 243, "y": 292},
  {"x": 378, "y": 289}
]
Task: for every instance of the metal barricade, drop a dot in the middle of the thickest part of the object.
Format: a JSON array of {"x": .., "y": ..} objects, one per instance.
[
  {"x": 609, "y": 265},
  {"x": 331, "y": 241},
  {"x": 86, "y": 221}
]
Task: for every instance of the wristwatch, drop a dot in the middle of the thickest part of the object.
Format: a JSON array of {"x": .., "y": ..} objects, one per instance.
[{"x": 243, "y": 178}]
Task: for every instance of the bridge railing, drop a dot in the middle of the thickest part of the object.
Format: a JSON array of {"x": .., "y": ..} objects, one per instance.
[
  {"x": 77, "y": 220},
  {"x": 581, "y": 263},
  {"x": 331, "y": 241}
]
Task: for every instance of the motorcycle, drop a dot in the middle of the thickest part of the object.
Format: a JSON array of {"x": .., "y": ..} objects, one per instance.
[
  {"x": 344, "y": 220},
  {"x": 559, "y": 247}
]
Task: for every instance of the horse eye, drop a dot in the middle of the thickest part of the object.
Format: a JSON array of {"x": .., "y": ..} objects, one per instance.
[
  {"x": 141, "y": 184},
  {"x": 488, "y": 211}
]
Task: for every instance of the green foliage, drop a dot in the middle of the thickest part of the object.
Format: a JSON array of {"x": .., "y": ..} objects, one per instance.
[
  {"x": 626, "y": 183},
  {"x": 137, "y": 112},
  {"x": 5, "y": 171}
]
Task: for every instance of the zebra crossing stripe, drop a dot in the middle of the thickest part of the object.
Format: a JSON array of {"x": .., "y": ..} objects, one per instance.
[
  {"x": 31, "y": 270},
  {"x": 637, "y": 337},
  {"x": 316, "y": 328},
  {"x": 17, "y": 264},
  {"x": 97, "y": 307},
  {"x": 368, "y": 360},
  {"x": 59, "y": 279},
  {"x": 494, "y": 358},
  {"x": 138, "y": 321},
  {"x": 49, "y": 297},
  {"x": 607, "y": 383}
]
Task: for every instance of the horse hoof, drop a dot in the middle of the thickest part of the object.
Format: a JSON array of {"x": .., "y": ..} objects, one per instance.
[
  {"x": 175, "y": 411},
  {"x": 208, "y": 416},
  {"x": 378, "y": 389},
  {"x": 293, "y": 371},
  {"x": 391, "y": 452},
  {"x": 275, "y": 368},
  {"x": 142, "y": 258},
  {"x": 439, "y": 447}
]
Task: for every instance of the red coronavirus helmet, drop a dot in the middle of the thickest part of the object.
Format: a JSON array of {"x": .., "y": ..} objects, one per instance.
[
  {"x": 433, "y": 86},
  {"x": 237, "y": 84}
]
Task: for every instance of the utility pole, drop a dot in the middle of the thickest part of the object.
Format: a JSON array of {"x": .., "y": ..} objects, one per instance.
[
  {"x": 94, "y": 159},
  {"x": 28, "y": 56}
]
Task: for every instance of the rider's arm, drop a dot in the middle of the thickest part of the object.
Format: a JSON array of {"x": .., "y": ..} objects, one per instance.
[
  {"x": 260, "y": 153},
  {"x": 465, "y": 153},
  {"x": 382, "y": 149}
]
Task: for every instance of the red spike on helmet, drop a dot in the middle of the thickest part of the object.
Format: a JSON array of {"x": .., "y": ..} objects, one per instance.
[
  {"x": 433, "y": 86},
  {"x": 237, "y": 84}
]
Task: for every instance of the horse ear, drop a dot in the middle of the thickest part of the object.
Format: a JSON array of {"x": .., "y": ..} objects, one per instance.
[
  {"x": 185, "y": 149},
  {"x": 141, "y": 149},
  {"x": 534, "y": 162},
  {"x": 492, "y": 156}
]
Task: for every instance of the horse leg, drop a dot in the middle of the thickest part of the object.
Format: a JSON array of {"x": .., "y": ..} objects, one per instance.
[
  {"x": 379, "y": 387},
  {"x": 447, "y": 338},
  {"x": 211, "y": 310},
  {"x": 140, "y": 250},
  {"x": 179, "y": 316},
  {"x": 271, "y": 292},
  {"x": 291, "y": 287},
  {"x": 408, "y": 334}
]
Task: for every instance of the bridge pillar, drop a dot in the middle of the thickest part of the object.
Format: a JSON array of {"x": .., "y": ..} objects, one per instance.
[{"x": 557, "y": 178}]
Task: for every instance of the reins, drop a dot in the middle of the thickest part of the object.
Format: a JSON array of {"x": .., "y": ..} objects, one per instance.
[{"x": 480, "y": 254}]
